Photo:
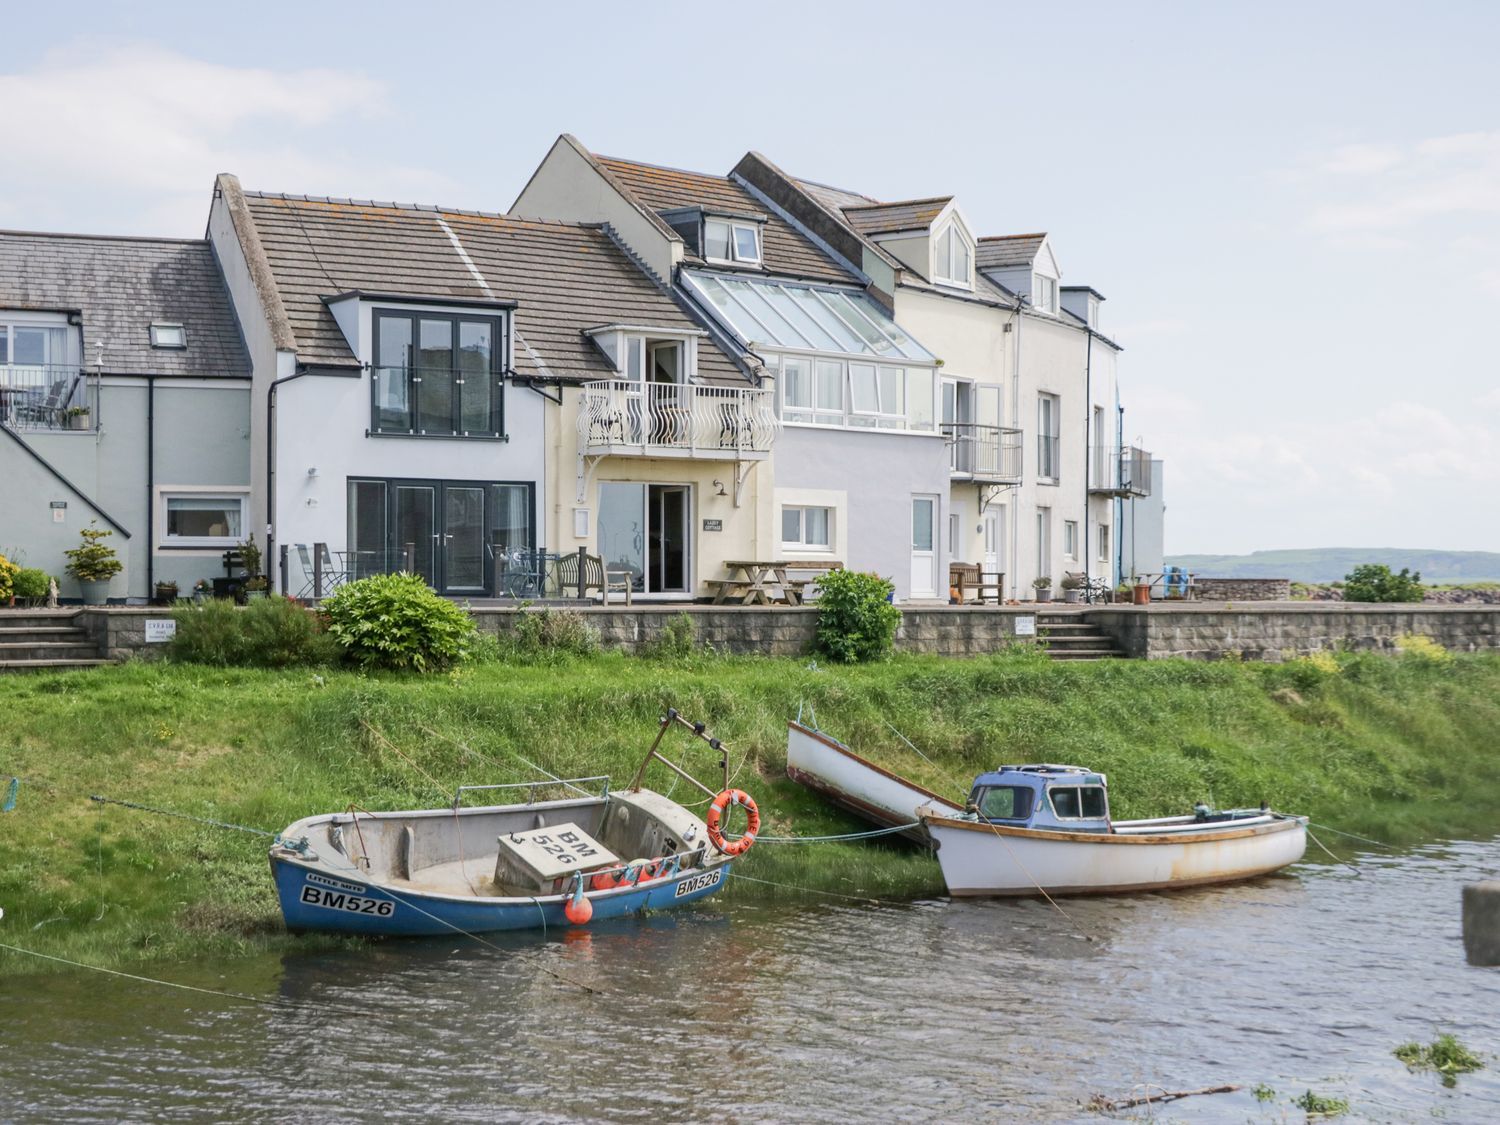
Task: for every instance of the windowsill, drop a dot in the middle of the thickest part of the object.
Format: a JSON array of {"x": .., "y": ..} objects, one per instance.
[
  {"x": 438, "y": 437},
  {"x": 200, "y": 545},
  {"x": 1052, "y": 481},
  {"x": 845, "y": 429}
]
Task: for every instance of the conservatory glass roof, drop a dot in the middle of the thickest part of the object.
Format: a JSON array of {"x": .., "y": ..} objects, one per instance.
[{"x": 787, "y": 314}]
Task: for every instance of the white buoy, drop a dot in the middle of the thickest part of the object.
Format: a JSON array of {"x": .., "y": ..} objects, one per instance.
[{"x": 1482, "y": 923}]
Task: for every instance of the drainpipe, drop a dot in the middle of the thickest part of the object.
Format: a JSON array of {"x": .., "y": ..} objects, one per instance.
[
  {"x": 150, "y": 489},
  {"x": 270, "y": 554},
  {"x": 1088, "y": 453},
  {"x": 1015, "y": 402}
]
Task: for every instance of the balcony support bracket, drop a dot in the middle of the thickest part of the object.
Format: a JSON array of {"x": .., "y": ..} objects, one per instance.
[
  {"x": 742, "y": 472},
  {"x": 586, "y": 468},
  {"x": 989, "y": 493}
]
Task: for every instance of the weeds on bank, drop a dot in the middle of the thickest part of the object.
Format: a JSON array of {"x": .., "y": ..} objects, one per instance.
[{"x": 1321, "y": 1105}]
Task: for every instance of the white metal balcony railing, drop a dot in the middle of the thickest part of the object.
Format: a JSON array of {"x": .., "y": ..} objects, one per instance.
[
  {"x": 620, "y": 416},
  {"x": 1120, "y": 471},
  {"x": 983, "y": 453},
  {"x": 48, "y": 397}
]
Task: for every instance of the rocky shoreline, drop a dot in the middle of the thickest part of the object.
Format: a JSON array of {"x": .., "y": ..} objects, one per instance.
[{"x": 1486, "y": 594}]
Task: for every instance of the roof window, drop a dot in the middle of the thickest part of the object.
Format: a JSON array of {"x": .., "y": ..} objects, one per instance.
[
  {"x": 952, "y": 257},
  {"x": 168, "y": 336},
  {"x": 733, "y": 243}
]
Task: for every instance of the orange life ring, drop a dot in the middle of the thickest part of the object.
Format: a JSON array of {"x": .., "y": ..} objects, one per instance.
[{"x": 716, "y": 815}]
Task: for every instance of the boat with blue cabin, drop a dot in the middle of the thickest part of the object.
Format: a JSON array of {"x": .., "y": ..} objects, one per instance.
[
  {"x": 1046, "y": 829},
  {"x": 588, "y": 854}
]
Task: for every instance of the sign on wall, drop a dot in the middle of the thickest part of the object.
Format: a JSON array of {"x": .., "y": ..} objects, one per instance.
[
  {"x": 59, "y": 510},
  {"x": 160, "y": 630},
  {"x": 1026, "y": 626},
  {"x": 713, "y": 525}
]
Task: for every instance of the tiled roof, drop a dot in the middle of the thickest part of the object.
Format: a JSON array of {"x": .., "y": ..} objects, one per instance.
[
  {"x": 566, "y": 277},
  {"x": 121, "y": 285},
  {"x": 887, "y": 218},
  {"x": 1000, "y": 252},
  {"x": 835, "y": 199},
  {"x": 786, "y": 250}
]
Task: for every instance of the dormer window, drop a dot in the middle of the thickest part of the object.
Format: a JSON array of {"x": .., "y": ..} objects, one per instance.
[
  {"x": 952, "y": 258},
  {"x": 730, "y": 242},
  {"x": 1044, "y": 294},
  {"x": 168, "y": 336}
]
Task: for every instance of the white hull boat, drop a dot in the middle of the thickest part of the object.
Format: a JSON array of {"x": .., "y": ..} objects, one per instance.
[{"x": 1030, "y": 829}]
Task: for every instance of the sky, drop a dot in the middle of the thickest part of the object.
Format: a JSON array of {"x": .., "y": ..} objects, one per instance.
[{"x": 1293, "y": 210}]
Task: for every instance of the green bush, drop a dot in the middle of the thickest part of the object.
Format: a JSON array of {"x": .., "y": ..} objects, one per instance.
[
  {"x": 1373, "y": 582},
  {"x": 549, "y": 633},
  {"x": 269, "y": 633},
  {"x": 395, "y": 621},
  {"x": 856, "y": 620},
  {"x": 8, "y": 573},
  {"x": 31, "y": 583}
]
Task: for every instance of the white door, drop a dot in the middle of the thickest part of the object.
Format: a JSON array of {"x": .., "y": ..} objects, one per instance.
[
  {"x": 994, "y": 530},
  {"x": 923, "y": 547}
]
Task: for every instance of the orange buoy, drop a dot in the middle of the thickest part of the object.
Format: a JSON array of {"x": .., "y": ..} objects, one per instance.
[
  {"x": 578, "y": 909},
  {"x": 715, "y": 819}
]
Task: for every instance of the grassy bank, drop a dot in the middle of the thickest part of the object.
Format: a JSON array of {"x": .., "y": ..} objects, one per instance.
[{"x": 1401, "y": 748}]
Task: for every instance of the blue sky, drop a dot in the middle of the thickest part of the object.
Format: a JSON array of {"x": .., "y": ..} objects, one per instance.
[{"x": 1293, "y": 209}]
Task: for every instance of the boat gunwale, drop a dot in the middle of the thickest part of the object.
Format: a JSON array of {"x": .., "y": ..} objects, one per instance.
[
  {"x": 838, "y": 747},
  {"x": 1284, "y": 822}
]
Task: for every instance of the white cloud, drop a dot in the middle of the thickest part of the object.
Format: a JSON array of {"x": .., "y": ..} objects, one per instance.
[
  {"x": 120, "y": 136},
  {"x": 1381, "y": 188}
]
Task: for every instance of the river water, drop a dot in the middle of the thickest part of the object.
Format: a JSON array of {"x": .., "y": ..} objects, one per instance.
[{"x": 807, "y": 1008}]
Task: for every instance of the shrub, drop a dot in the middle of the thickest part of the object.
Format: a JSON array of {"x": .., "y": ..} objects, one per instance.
[
  {"x": 8, "y": 573},
  {"x": 32, "y": 583},
  {"x": 396, "y": 621},
  {"x": 552, "y": 632},
  {"x": 271, "y": 633},
  {"x": 1425, "y": 649},
  {"x": 856, "y": 620},
  {"x": 91, "y": 560},
  {"x": 1374, "y": 582}
]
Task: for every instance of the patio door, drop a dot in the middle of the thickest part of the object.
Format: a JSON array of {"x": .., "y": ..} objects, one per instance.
[
  {"x": 461, "y": 552},
  {"x": 646, "y": 529},
  {"x": 994, "y": 530},
  {"x": 923, "y": 547}
]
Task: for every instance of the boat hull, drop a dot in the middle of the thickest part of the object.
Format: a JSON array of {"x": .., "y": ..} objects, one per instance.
[
  {"x": 981, "y": 859},
  {"x": 315, "y": 900},
  {"x": 830, "y": 768}
]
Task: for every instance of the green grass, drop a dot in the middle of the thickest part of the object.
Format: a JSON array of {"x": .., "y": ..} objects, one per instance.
[
  {"x": 1382, "y": 746},
  {"x": 1445, "y": 1054}
]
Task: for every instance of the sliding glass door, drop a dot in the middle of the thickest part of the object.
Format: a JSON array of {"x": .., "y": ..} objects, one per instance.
[{"x": 645, "y": 529}]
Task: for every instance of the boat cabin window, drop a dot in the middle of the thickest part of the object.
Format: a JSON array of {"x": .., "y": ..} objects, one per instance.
[
  {"x": 1083, "y": 802},
  {"x": 1004, "y": 802}
]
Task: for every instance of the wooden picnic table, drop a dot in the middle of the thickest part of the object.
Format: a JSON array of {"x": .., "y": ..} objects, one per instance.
[{"x": 754, "y": 581}]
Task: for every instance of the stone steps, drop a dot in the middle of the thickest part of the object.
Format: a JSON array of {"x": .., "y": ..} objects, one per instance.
[
  {"x": 45, "y": 639},
  {"x": 1069, "y": 637}
]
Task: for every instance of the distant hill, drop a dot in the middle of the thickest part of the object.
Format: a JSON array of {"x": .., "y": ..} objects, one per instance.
[{"x": 1330, "y": 564}]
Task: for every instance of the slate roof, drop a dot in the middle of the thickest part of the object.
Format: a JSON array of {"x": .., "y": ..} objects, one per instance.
[
  {"x": 999, "y": 252},
  {"x": 120, "y": 285},
  {"x": 835, "y": 199},
  {"x": 785, "y": 249},
  {"x": 565, "y": 277},
  {"x": 887, "y": 218}
]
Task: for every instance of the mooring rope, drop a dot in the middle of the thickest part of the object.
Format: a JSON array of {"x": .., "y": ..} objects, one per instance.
[
  {"x": 815, "y": 891},
  {"x": 1336, "y": 859},
  {"x": 1354, "y": 836},
  {"x": 833, "y": 839}
]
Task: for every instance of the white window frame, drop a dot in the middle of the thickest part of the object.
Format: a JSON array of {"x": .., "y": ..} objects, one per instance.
[
  {"x": 1049, "y": 427},
  {"x": 1044, "y": 288},
  {"x": 159, "y": 336},
  {"x": 165, "y": 494},
  {"x": 1070, "y": 539},
  {"x": 837, "y": 503},
  {"x": 801, "y": 544},
  {"x": 733, "y": 228},
  {"x": 884, "y": 416},
  {"x": 943, "y": 271},
  {"x": 1104, "y": 543}
]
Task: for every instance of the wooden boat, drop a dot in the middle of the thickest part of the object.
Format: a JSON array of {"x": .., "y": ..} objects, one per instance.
[
  {"x": 536, "y": 863},
  {"x": 1029, "y": 829}
]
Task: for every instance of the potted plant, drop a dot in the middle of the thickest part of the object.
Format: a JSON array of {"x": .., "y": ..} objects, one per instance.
[
  {"x": 166, "y": 593},
  {"x": 1072, "y": 585},
  {"x": 76, "y": 417},
  {"x": 1122, "y": 593},
  {"x": 1140, "y": 592},
  {"x": 202, "y": 589},
  {"x": 93, "y": 564},
  {"x": 1043, "y": 588},
  {"x": 256, "y": 586}
]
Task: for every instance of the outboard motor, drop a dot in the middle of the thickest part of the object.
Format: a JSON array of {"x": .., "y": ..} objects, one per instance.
[{"x": 1201, "y": 812}]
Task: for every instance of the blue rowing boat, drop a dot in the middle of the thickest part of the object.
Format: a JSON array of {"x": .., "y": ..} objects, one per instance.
[{"x": 586, "y": 855}]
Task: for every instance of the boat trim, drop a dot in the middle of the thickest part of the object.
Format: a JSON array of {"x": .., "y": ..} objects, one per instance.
[{"x": 1282, "y": 823}]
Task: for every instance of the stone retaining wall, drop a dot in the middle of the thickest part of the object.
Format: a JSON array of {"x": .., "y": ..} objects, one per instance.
[
  {"x": 1243, "y": 589},
  {"x": 1279, "y": 632}
]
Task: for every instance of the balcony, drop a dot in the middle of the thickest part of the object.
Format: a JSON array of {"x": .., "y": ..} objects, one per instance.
[
  {"x": 984, "y": 454},
  {"x": 1120, "y": 471},
  {"x": 621, "y": 417},
  {"x": 48, "y": 397}
]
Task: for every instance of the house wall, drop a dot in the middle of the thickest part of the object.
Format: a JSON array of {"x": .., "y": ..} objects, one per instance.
[
  {"x": 877, "y": 473},
  {"x": 746, "y": 530},
  {"x": 1142, "y": 528},
  {"x": 202, "y": 439}
]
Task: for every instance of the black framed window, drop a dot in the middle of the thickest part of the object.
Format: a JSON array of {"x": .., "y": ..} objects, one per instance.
[{"x": 438, "y": 375}]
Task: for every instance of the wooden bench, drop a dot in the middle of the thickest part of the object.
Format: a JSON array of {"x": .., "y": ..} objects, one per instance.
[
  {"x": 583, "y": 572},
  {"x": 986, "y": 585}
]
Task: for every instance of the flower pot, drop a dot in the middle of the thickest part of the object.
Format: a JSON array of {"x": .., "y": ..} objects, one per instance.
[
  {"x": 254, "y": 595},
  {"x": 95, "y": 592},
  {"x": 78, "y": 421},
  {"x": 1044, "y": 595},
  {"x": 1072, "y": 596},
  {"x": 1140, "y": 594}
]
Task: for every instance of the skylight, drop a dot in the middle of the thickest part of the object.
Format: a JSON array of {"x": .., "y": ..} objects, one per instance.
[
  {"x": 168, "y": 336},
  {"x": 809, "y": 318}
]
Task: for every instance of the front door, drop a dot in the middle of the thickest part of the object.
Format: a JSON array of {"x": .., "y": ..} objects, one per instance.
[
  {"x": 645, "y": 529},
  {"x": 461, "y": 555},
  {"x": 993, "y": 553},
  {"x": 923, "y": 547}
]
